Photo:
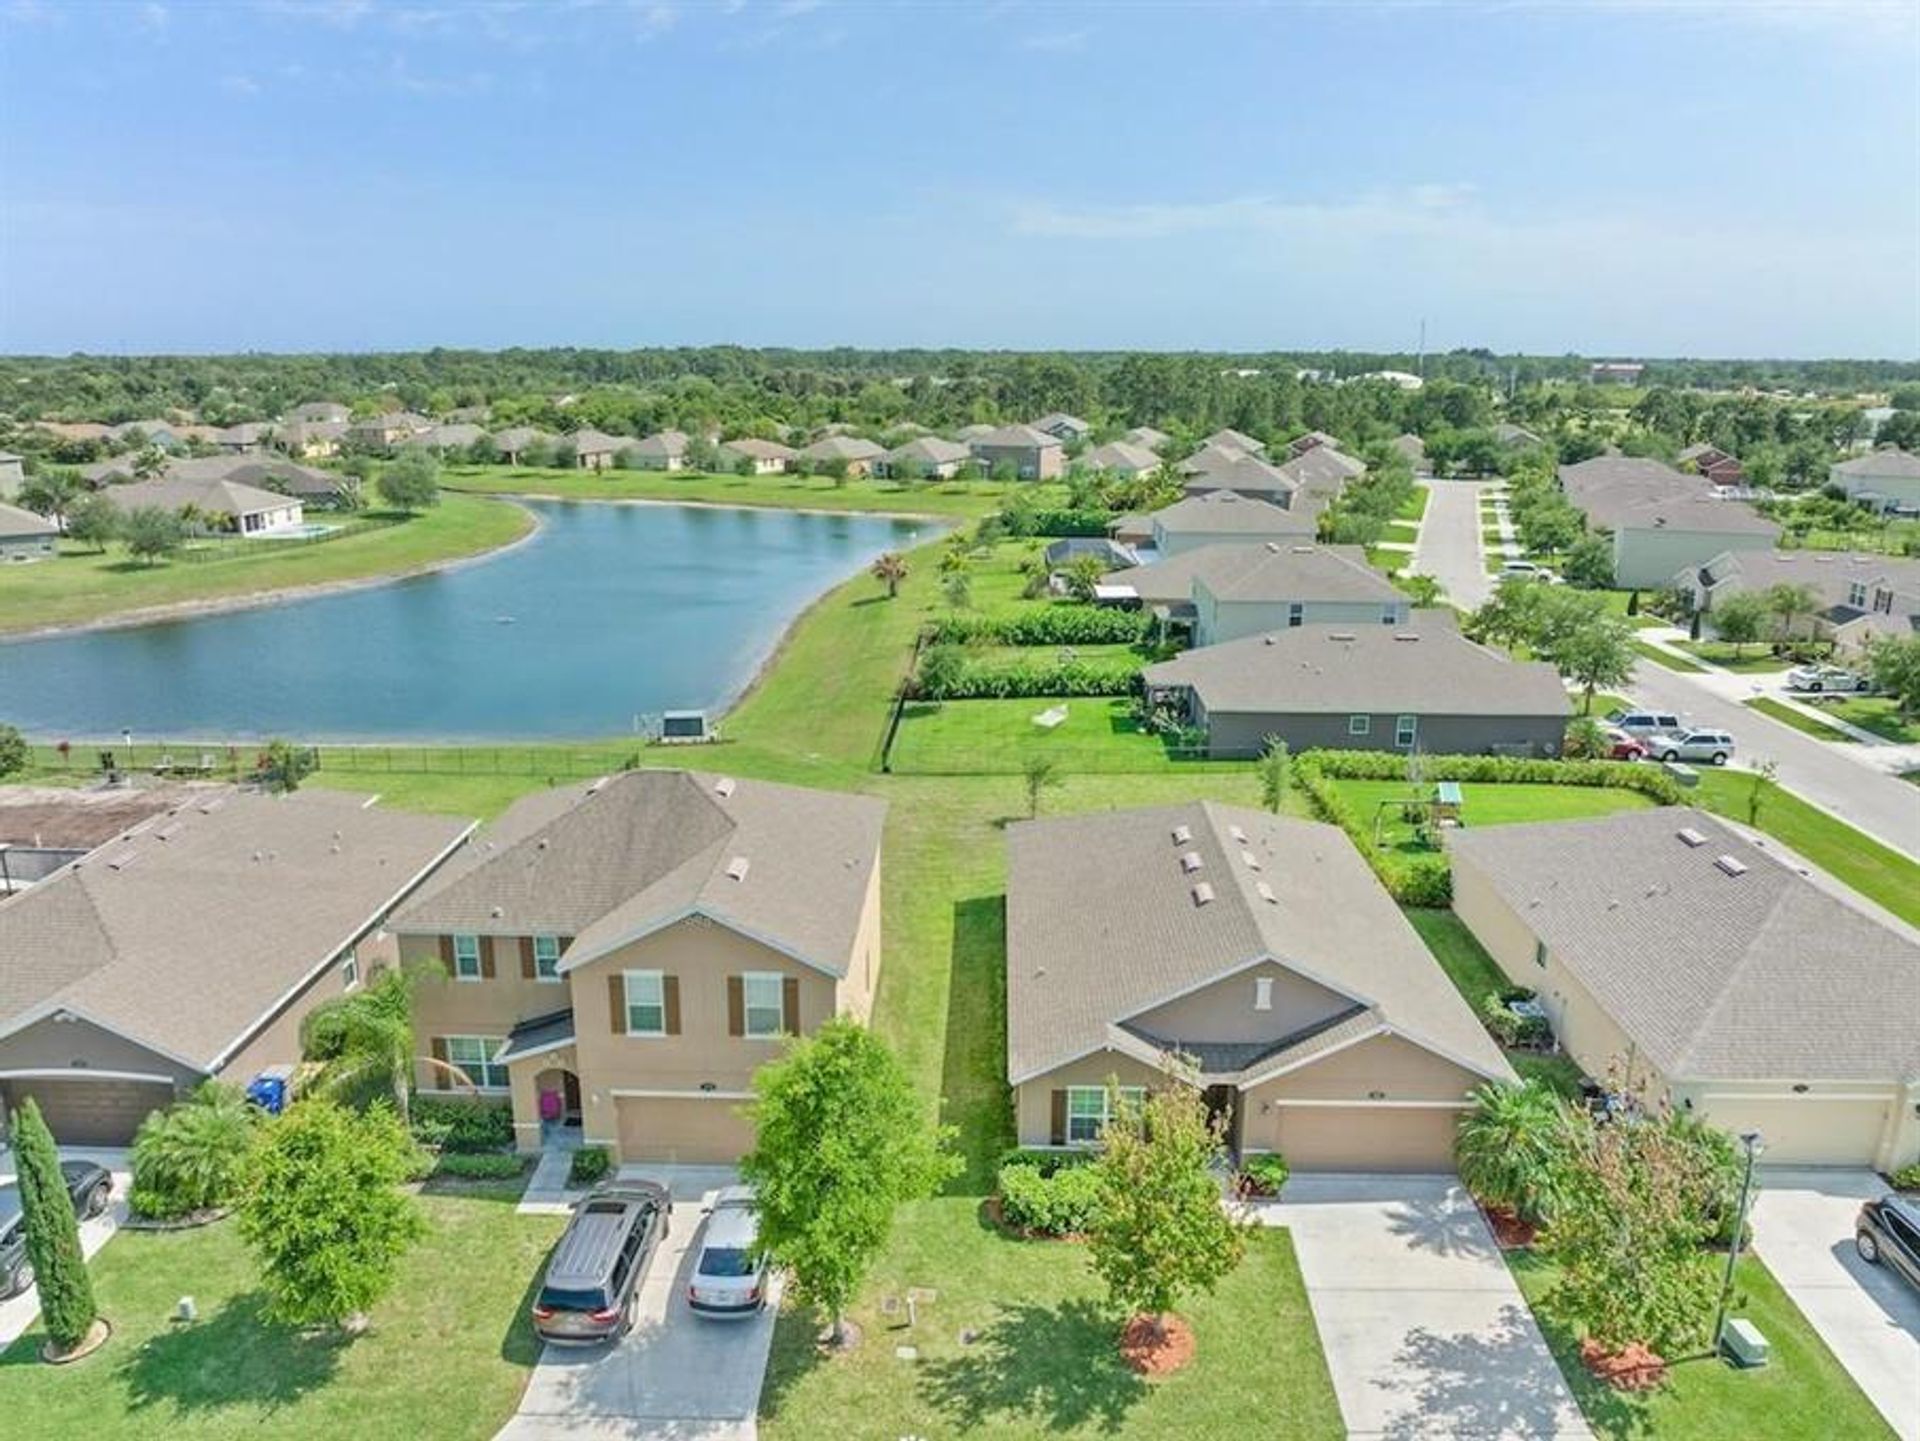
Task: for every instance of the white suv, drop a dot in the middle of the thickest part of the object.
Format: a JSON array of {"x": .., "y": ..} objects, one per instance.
[
  {"x": 1714, "y": 747},
  {"x": 1817, "y": 678},
  {"x": 1643, "y": 724}
]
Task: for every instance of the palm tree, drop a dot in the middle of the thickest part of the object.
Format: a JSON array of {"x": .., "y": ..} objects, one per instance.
[
  {"x": 364, "y": 1039},
  {"x": 890, "y": 569},
  {"x": 1511, "y": 1148},
  {"x": 1790, "y": 603}
]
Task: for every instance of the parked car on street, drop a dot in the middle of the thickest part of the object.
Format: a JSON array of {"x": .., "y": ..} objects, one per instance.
[
  {"x": 1527, "y": 570},
  {"x": 587, "y": 1294},
  {"x": 91, "y": 1188},
  {"x": 728, "y": 1279},
  {"x": 1818, "y": 678},
  {"x": 1623, "y": 745},
  {"x": 1715, "y": 747},
  {"x": 1642, "y": 723},
  {"x": 1888, "y": 1234}
]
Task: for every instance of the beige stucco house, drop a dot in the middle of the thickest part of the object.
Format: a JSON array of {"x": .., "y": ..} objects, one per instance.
[
  {"x": 1862, "y": 594},
  {"x": 1688, "y": 962},
  {"x": 1252, "y": 956},
  {"x": 1032, "y": 454},
  {"x": 767, "y": 457},
  {"x": 233, "y": 504},
  {"x": 192, "y": 945},
  {"x": 25, "y": 536},
  {"x": 622, "y": 956}
]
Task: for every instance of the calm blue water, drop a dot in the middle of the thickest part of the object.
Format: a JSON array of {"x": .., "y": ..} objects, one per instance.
[{"x": 616, "y": 610}]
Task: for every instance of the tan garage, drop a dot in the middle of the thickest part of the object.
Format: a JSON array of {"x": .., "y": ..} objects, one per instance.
[
  {"x": 93, "y": 1112},
  {"x": 1368, "y": 1138},
  {"x": 683, "y": 1130},
  {"x": 1807, "y": 1131}
]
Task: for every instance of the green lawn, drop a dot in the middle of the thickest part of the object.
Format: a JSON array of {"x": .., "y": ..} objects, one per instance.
[
  {"x": 986, "y": 737},
  {"x": 1483, "y": 805},
  {"x": 447, "y": 1356},
  {"x": 81, "y": 585},
  {"x": 1878, "y": 714},
  {"x": 1414, "y": 507},
  {"x": 787, "y": 492},
  {"x": 1747, "y": 660},
  {"x": 1803, "y": 1395},
  {"x": 1665, "y": 658},
  {"x": 1043, "y": 1361},
  {"x": 1617, "y": 602},
  {"x": 1799, "y": 720},
  {"x": 1877, "y": 871}
]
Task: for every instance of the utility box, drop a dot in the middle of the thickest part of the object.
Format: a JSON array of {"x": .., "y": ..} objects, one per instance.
[{"x": 1744, "y": 1344}]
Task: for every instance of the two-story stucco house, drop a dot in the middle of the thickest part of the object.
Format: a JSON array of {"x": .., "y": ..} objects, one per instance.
[{"x": 622, "y": 956}]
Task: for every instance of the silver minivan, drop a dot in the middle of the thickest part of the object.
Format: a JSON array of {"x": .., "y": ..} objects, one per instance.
[
  {"x": 1640, "y": 724},
  {"x": 1714, "y": 747},
  {"x": 729, "y": 1280}
]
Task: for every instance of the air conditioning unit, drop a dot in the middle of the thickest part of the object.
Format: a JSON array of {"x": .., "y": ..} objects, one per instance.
[{"x": 1744, "y": 1344}]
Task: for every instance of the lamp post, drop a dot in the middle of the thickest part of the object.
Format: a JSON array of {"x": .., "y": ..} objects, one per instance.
[{"x": 1751, "y": 1141}]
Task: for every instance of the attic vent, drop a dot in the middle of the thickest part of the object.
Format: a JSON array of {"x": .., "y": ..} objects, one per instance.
[
  {"x": 1190, "y": 862},
  {"x": 594, "y": 789},
  {"x": 1273, "y": 547},
  {"x": 121, "y": 860},
  {"x": 212, "y": 804},
  {"x": 1340, "y": 635},
  {"x": 1265, "y": 892},
  {"x": 1182, "y": 835},
  {"x": 1238, "y": 833},
  {"x": 1251, "y": 861},
  {"x": 1202, "y": 893},
  {"x": 737, "y": 868},
  {"x": 1691, "y": 837},
  {"x": 172, "y": 829},
  {"x": 724, "y": 787},
  {"x": 1303, "y": 550},
  {"x": 1730, "y": 865},
  {"x": 1269, "y": 639},
  {"x": 1405, "y": 635}
]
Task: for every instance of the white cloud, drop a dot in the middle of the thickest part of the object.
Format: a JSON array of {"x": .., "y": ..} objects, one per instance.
[{"x": 153, "y": 16}]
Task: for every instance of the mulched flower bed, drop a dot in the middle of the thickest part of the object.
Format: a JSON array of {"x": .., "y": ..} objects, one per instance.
[
  {"x": 1632, "y": 1368},
  {"x": 191, "y": 1221},
  {"x": 1510, "y": 1232},
  {"x": 96, "y": 1337},
  {"x": 1152, "y": 1350}
]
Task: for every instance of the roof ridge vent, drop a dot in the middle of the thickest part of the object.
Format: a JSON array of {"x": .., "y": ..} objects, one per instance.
[
  {"x": 1182, "y": 835},
  {"x": 1238, "y": 832},
  {"x": 1340, "y": 635},
  {"x": 1731, "y": 865},
  {"x": 1691, "y": 836},
  {"x": 1251, "y": 861},
  {"x": 1191, "y": 862},
  {"x": 737, "y": 868},
  {"x": 725, "y": 786},
  {"x": 1273, "y": 547},
  {"x": 120, "y": 860},
  {"x": 1202, "y": 893},
  {"x": 1406, "y": 635},
  {"x": 593, "y": 787},
  {"x": 1265, "y": 892}
]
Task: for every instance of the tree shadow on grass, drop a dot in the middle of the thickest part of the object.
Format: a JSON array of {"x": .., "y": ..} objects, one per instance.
[
  {"x": 974, "y": 1067},
  {"x": 1055, "y": 1368},
  {"x": 237, "y": 1357},
  {"x": 793, "y": 1357}
]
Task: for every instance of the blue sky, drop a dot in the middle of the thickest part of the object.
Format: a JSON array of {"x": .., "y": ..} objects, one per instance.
[{"x": 1713, "y": 178}]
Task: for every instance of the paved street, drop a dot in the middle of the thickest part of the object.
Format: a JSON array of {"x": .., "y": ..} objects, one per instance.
[
  {"x": 1425, "y": 1332},
  {"x": 1803, "y": 1230},
  {"x": 1449, "y": 547}
]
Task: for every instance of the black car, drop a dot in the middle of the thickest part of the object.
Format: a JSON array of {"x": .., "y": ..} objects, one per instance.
[
  {"x": 1888, "y": 1234},
  {"x": 587, "y": 1294},
  {"x": 91, "y": 1188}
]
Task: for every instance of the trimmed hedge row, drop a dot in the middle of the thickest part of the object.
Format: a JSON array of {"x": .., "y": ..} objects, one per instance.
[
  {"x": 975, "y": 681},
  {"x": 1020, "y": 521},
  {"x": 1056, "y": 1202},
  {"x": 1428, "y": 880},
  {"x": 466, "y": 1126},
  {"x": 1044, "y": 625}
]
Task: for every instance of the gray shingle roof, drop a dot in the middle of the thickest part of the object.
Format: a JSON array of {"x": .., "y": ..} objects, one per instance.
[
  {"x": 1102, "y": 924},
  {"x": 757, "y": 449},
  {"x": 187, "y": 932},
  {"x": 1121, "y": 455},
  {"x": 1227, "y": 511},
  {"x": 1881, "y": 462},
  {"x": 606, "y": 862},
  {"x": 930, "y": 450},
  {"x": 1016, "y": 437},
  {"x": 1322, "y": 470},
  {"x": 1427, "y": 668},
  {"x": 843, "y": 447},
  {"x": 15, "y": 522},
  {"x": 668, "y": 444},
  {"x": 1148, "y": 436},
  {"x": 1239, "y": 440},
  {"x": 1631, "y": 492},
  {"x": 1264, "y": 571},
  {"x": 1757, "y": 976},
  {"x": 208, "y": 494},
  {"x": 1247, "y": 474}
]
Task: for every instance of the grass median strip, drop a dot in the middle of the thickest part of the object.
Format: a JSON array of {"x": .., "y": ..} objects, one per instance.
[
  {"x": 1799, "y": 720},
  {"x": 1648, "y": 651}
]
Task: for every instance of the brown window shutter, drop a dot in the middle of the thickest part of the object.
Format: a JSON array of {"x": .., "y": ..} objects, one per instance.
[
  {"x": 527, "y": 970},
  {"x": 736, "y": 1006},
  {"x": 486, "y": 958},
  {"x": 562, "y": 942},
  {"x": 441, "y": 1079},
  {"x": 670, "y": 999},
  {"x": 446, "y": 954},
  {"x": 790, "y": 1005},
  {"x": 1059, "y": 1118},
  {"x": 617, "y": 1002}
]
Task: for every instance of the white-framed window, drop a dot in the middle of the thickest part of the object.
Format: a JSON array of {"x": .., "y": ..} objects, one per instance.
[
  {"x": 474, "y": 1055},
  {"x": 546, "y": 958},
  {"x": 1540, "y": 954},
  {"x": 1263, "y": 993},
  {"x": 646, "y": 994},
  {"x": 1857, "y": 595},
  {"x": 765, "y": 993},
  {"x": 1087, "y": 1113},
  {"x": 1296, "y": 614},
  {"x": 1389, "y": 614},
  {"x": 466, "y": 958},
  {"x": 1404, "y": 729},
  {"x": 350, "y": 971},
  {"x": 1359, "y": 725}
]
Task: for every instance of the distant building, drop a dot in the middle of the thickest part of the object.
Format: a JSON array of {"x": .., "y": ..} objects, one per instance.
[
  {"x": 857, "y": 454},
  {"x": 1661, "y": 521},
  {"x": 926, "y": 457},
  {"x": 768, "y": 457},
  {"x": 1886, "y": 479},
  {"x": 244, "y": 509},
  {"x": 1063, "y": 427},
  {"x": 1122, "y": 458},
  {"x": 1862, "y": 595},
  {"x": 13, "y": 474},
  {"x": 1615, "y": 372},
  {"x": 1033, "y": 454},
  {"x": 663, "y": 450},
  {"x": 25, "y": 536}
]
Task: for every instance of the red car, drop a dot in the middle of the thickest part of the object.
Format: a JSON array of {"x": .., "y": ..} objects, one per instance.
[{"x": 1623, "y": 747}]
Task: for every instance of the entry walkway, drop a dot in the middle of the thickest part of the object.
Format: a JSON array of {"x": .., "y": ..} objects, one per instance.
[{"x": 1425, "y": 1332}]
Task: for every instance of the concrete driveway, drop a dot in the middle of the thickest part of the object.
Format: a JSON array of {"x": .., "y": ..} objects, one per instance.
[
  {"x": 1870, "y": 1320},
  {"x": 676, "y": 1376},
  {"x": 17, "y": 1312},
  {"x": 1425, "y": 1332}
]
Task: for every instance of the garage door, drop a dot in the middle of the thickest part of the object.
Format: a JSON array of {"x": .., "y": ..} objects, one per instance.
[
  {"x": 1807, "y": 1133},
  {"x": 695, "y": 1131},
  {"x": 1367, "y": 1138},
  {"x": 92, "y": 1113}
]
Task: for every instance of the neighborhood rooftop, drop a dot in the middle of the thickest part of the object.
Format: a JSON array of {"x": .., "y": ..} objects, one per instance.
[{"x": 1619, "y": 491}]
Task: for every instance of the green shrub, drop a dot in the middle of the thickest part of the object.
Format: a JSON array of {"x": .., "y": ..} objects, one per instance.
[
  {"x": 1046, "y": 1162},
  {"x": 1514, "y": 1148},
  {"x": 1264, "y": 1175},
  {"x": 1510, "y": 1028},
  {"x": 192, "y": 1156},
  {"x": 1907, "y": 1178},
  {"x": 1020, "y": 520},
  {"x": 1045, "y": 625},
  {"x": 51, "y": 1232},
  {"x": 974, "y": 681},
  {"x": 1060, "y": 1204},
  {"x": 462, "y": 1125},
  {"x": 591, "y": 1164},
  {"x": 495, "y": 1167}
]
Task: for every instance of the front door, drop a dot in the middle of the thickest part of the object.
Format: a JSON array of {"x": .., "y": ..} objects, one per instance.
[
  {"x": 569, "y": 1098},
  {"x": 1221, "y": 1114}
]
